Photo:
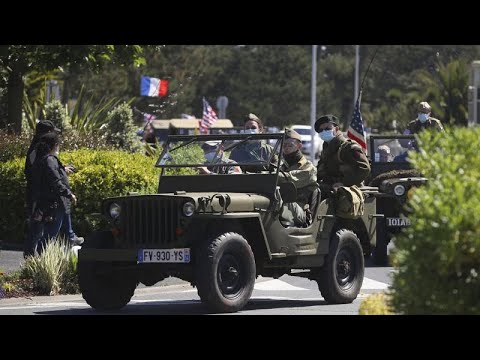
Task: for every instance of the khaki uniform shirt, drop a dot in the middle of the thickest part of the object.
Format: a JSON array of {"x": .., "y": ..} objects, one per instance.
[
  {"x": 415, "y": 126},
  {"x": 304, "y": 175},
  {"x": 342, "y": 160}
]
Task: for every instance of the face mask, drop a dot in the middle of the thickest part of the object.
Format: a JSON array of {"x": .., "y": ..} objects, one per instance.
[
  {"x": 210, "y": 156},
  {"x": 422, "y": 117},
  {"x": 250, "y": 131},
  {"x": 327, "y": 135}
]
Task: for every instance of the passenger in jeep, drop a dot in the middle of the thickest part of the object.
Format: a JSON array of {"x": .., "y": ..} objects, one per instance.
[
  {"x": 297, "y": 169},
  {"x": 342, "y": 161}
]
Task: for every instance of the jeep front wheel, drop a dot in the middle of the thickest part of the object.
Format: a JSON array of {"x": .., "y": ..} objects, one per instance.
[
  {"x": 225, "y": 273},
  {"x": 341, "y": 277},
  {"x": 101, "y": 286}
]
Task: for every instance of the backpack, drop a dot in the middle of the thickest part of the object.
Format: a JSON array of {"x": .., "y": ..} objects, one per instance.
[{"x": 350, "y": 202}]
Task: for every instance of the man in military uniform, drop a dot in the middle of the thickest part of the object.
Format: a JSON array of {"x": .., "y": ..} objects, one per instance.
[
  {"x": 342, "y": 161},
  {"x": 216, "y": 162},
  {"x": 423, "y": 121},
  {"x": 253, "y": 151},
  {"x": 297, "y": 169}
]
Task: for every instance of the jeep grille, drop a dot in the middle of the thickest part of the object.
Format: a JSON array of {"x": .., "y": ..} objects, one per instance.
[{"x": 150, "y": 221}]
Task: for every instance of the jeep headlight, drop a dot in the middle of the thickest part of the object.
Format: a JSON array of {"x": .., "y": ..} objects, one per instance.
[
  {"x": 115, "y": 210},
  {"x": 399, "y": 190},
  {"x": 188, "y": 209}
]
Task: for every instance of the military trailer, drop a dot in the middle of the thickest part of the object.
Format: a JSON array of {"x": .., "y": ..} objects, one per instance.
[
  {"x": 396, "y": 180},
  {"x": 221, "y": 231}
]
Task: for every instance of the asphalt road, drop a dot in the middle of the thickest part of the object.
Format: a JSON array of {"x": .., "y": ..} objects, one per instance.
[{"x": 287, "y": 295}]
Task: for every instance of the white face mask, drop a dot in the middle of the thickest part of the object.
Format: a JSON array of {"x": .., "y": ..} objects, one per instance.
[
  {"x": 423, "y": 117},
  {"x": 250, "y": 131}
]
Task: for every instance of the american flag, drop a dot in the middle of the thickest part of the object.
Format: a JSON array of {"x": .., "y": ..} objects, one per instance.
[
  {"x": 355, "y": 130},
  {"x": 209, "y": 117}
]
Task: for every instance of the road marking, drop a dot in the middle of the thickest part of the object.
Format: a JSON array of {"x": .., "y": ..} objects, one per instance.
[
  {"x": 369, "y": 284},
  {"x": 276, "y": 284}
]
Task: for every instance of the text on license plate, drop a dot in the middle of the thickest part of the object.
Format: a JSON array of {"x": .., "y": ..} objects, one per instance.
[
  {"x": 400, "y": 222},
  {"x": 164, "y": 255}
]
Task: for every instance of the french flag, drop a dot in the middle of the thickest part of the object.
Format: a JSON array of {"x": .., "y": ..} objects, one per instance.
[{"x": 150, "y": 86}]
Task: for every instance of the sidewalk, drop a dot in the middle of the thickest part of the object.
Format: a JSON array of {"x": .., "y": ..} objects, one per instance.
[{"x": 10, "y": 260}]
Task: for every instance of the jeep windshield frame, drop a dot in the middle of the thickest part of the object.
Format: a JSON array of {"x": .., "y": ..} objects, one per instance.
[
  {"x": 398, "y": 145},
  {"x": 180, "y": 166}
]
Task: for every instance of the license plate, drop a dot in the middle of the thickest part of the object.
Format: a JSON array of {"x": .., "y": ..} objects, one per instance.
[
  {"x": 399, "y": 222},
  {"x": 163, "y": 256}
]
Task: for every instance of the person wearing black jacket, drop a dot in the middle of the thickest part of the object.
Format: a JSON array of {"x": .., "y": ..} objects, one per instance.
[{"x": 51, "y": 193}]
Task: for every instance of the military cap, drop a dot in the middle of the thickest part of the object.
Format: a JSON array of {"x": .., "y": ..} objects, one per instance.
[
  {"x": 210, "y": 145},
  {"x": 292, "y": 134},
  {"x": 325, "y": 119},
  {"x": 45, "y": 126},
  {"x": 253, "y": 117},
  {"x": 424, "y": 107}
]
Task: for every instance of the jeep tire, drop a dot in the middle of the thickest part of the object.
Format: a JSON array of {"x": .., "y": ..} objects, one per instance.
[
  {"x": 101, "y": 287},
  {"x": 225, "y": 272},
  {"x": 341, "y": 276}
]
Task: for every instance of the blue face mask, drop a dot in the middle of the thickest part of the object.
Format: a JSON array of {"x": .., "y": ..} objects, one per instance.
[
  {"x": 327, "y": 135},
  {"x": 210, "y": 156},
  {"x": 422, "y": 117}
]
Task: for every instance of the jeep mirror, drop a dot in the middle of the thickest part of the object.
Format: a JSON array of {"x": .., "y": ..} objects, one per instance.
[{"x": 288, "y": 191}]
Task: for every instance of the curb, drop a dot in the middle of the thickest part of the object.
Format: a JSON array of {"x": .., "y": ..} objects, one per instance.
[{"x": 78, "y": 297}]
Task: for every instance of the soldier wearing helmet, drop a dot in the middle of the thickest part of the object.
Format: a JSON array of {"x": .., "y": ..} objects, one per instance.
[{"x": 423, "y": 120}]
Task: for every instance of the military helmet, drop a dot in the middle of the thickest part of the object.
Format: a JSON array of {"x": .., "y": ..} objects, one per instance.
[{"x": 424, "y": 107}]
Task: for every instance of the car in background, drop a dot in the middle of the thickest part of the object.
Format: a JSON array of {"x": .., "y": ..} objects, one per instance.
[{"x": 305, "y": 133}]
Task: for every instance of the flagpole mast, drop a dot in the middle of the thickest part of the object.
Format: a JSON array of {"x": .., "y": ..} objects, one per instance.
[
  {"x": 357, "y": 73},
  {"x": 313, "y": 102}
]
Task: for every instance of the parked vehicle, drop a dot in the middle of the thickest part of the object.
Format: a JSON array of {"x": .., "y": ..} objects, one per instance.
[
  {"x": 305, "y": 133},
  {"x": 396, "y": 181},
  {"x": 219, "y": 232}
]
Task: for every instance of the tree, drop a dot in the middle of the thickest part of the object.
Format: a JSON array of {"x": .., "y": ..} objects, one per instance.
[{"x": 18, "y": 60}]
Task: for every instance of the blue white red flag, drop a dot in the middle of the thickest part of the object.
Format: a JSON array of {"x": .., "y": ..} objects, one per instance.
[
  {"x": 356, "y": 130},
  {"x": 150, "y": 86}
]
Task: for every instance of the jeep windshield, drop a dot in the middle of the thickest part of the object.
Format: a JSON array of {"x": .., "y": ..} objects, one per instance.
[
  {"x": 391, "y": 148},
  {"x": 240, "y": 162},
  {"x": 257, "y": 152}
]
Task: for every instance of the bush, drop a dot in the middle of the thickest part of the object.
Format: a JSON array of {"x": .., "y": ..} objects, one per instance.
[
  {"x": 53, "y": 271},
  {"x": 57, "y": 113},
  {"x": 121, "y": 130},
  {"x": 376, "y": 304},
  {"x": 438, "y": 257},
  {"x": 12, "y": 146}
]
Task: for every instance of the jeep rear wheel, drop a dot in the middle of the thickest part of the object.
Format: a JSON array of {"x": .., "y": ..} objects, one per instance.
[
  {"x": 341, "y": 277},
  {"x": 225, "y": 273},
  {"x": 101, "y": 286}
]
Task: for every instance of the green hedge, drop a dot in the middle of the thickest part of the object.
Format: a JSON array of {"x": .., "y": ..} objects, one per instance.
[
  {"x": 438, "y": 257},
  {"x": 99, "y": 174}
]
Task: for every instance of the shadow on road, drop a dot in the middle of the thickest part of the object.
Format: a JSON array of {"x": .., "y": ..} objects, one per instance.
[{"x": 184, "y": 307}]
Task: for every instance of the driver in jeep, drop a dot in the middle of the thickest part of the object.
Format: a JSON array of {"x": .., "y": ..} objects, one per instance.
[{"x": 300, "y": 171}]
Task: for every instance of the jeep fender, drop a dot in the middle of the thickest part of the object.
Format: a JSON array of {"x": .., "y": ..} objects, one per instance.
[{"x": 250, "y": 225}]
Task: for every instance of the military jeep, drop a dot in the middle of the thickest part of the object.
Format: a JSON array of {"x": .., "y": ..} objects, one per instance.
[
  {"x": 221, "y": 231},
  {"x": 396, "y": 181}
]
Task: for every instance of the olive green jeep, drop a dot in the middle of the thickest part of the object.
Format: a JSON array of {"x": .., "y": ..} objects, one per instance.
[
  {"x": 220, "y": 231},
  {"x": 396, "y": 180}
]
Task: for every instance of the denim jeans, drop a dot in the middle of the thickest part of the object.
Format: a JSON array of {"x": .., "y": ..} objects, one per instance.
[
  {"x": 67, "y": 226},
  {"x": 43, "y": 232}
]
